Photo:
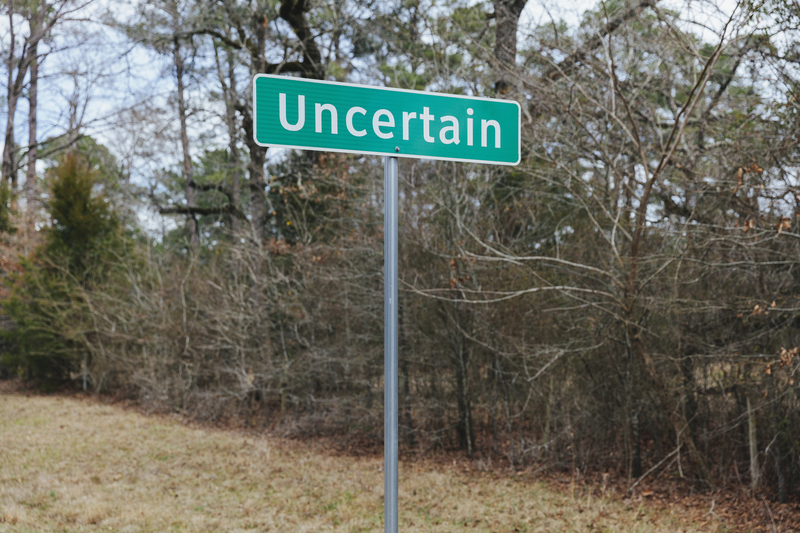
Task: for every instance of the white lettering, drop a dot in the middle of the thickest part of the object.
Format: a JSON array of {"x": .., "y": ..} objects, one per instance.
[
  {"x": 301, "y": 112},
  {"x": 469, "y": 127},
  {"x": 377, "y": 123},
  {"x": 426, "y": 124},
  {"x": 406, "y": 118},
  {"x": 485, "y": 126},
  {"x": 348, "y": 120},
  {"x": 452, "y": 127},
  {"x": 318, "y": 109}
]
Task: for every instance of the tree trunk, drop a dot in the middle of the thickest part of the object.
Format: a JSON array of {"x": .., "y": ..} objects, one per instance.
[
  {"x": 636, "y": 464},
  {"x": 258, "y": 197},
  {"x": 30, "y": 178},
  {"x": 507, "y": 402},
  {"x": 635, "y": 447},
  {"x": 776, "y": 454},
  {"x": 294, "y": 12},
  {"x": 506, "y": 14},
  {"x": 690, "y": 404},
  {"x": 466, "y": 436},
  {"x": 407, "y": 405},
  {"x": 187, "y": 160},
  {"x": 547, "y": 418},
  {"x": 676, "y": 416},
  {"x": 495, "y": 379},
  {"x": 284, "y": 376},
  {"x": 230, "y": 116},
  {"x": 255, "y": 172},
  {"x": 752, "y": 442},
  {"x": 776, "y": 446},
  {"x": 9, "y": 165},
  {"x": 230, "y": 96}
]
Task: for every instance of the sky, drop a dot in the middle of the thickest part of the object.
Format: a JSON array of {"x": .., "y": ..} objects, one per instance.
[
  {"x": 125, "y": 75},
  {"x": 132, "y": 74},
  {"x": 712, "y": 13}
]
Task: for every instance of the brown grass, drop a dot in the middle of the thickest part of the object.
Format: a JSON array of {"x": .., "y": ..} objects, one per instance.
[{"x": 69, "y": 465}]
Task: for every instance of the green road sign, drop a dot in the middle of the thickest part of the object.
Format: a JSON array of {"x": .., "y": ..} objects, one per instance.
[{"x": 341, "y": 117}]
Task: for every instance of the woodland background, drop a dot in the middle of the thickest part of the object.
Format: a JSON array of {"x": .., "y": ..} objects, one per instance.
[{"x": 625, "y": 300}]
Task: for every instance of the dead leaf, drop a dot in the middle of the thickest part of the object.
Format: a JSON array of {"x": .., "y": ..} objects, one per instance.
[{"x": 783, "y": 223}]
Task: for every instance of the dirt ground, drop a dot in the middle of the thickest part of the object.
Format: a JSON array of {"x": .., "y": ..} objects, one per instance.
[{"x": 69, "y": 464}]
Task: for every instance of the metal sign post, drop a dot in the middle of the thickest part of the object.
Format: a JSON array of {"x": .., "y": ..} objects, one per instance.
[
  {"x": 293, "y": 112},
  {"x": 390, "y": 306}
]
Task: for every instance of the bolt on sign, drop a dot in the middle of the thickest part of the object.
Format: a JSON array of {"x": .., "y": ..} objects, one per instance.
[{"x": 341, "y": 117}]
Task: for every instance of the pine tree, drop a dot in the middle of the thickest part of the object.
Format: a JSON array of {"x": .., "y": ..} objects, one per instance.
[{"x": 46, "y": 301}]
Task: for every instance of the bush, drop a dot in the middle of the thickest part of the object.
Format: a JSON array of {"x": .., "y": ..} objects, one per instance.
[{"x": 47, "y": 297}]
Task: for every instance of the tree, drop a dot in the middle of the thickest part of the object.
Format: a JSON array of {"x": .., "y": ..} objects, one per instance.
[
  {"x": 622, "y": 301},
  {"x": 252, "y": 29},
  {"x": 506, "y": 15},
  {"x": 23, "y": 52},
  {"x": 46, "y": 301}
]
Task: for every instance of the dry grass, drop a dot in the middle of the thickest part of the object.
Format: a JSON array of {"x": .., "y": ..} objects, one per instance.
[{"x": 76, "y": 465}]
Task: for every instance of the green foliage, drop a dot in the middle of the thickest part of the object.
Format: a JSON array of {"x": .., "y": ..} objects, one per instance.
[
  {"x": 82, "y": 224},
  {"x": 47, "y": 311},
  {"x": 212, "y": 173},
  {"x": 6, "y": 199},
  {"x": 47, "y": 300}
]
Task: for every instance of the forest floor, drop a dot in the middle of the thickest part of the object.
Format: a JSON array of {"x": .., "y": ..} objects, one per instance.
[{"x": 70, "y": 464}]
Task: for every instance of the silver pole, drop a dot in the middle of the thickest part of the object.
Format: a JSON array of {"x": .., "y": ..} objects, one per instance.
[{"x": 390, "y": 387}]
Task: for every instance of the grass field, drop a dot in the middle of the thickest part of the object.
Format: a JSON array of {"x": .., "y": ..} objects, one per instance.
[{"x": 78, "y": 465}]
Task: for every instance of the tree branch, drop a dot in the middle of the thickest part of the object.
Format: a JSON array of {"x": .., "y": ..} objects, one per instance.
[
  {"x": 192, "y": 210},
  {"x": 564, "y": 67}
]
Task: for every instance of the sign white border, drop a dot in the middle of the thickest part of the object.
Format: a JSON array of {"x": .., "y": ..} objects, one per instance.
[{"x": 391, "y": 154}]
